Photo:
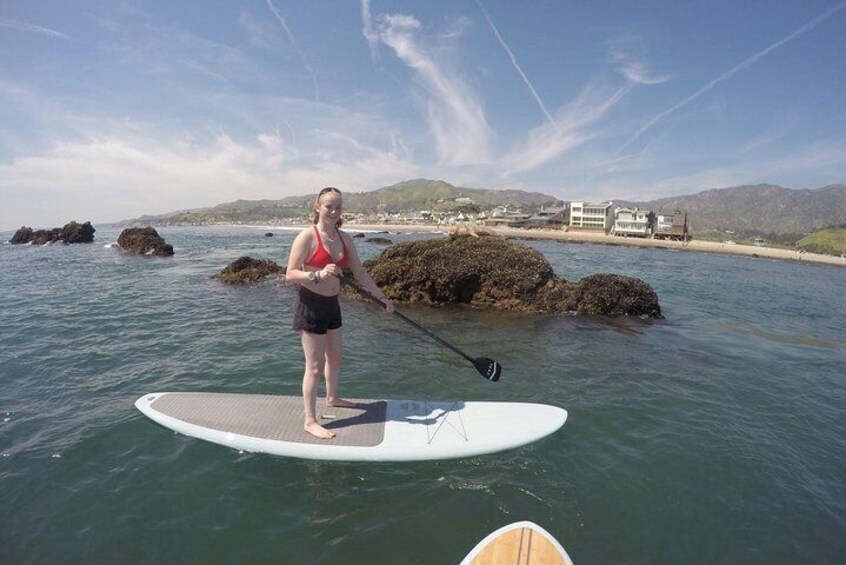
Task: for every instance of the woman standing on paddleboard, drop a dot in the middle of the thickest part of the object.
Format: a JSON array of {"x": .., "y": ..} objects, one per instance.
[{"x": 318, "y": 256}]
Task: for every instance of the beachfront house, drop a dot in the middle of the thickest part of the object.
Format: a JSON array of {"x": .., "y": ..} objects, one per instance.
[
  {"x": 504, "y": 217},
  {"x": 553, "y": 217},
  {"x": 596, "y": 216},
  {"x": 671, "y": 225},
  {"x": 632, "y": 222}
]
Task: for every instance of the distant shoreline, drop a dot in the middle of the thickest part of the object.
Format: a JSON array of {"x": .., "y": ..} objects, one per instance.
[{"x": 603, "y": 239}]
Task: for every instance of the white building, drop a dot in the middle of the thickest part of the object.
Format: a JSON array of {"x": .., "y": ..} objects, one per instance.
[
  {"x": 591, "y": 216},
  {"x": 631, "y": 222}
]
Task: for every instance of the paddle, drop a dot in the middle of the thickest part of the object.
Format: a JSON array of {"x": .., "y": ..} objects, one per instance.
[{"x": 488, "y": 368}]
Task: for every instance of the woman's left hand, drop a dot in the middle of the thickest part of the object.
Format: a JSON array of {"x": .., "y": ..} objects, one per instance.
[{"x": 389, "y": 306}]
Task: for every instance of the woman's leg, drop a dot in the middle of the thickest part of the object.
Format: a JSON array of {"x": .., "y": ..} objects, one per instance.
[
  {"x": 334, "y": 354},
  {"x": 314, "y": 349}
]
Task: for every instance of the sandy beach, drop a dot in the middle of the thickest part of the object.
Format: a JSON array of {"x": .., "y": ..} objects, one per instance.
[{"x": 603, "y": 239}]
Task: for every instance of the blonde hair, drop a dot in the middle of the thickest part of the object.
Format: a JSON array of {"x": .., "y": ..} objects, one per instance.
[{"x": 320, "y": 194}]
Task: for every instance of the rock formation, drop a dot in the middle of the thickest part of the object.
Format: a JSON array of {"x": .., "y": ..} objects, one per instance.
[
  {"x": 144, "y": 241},
  {"x": 71, "y": 232},
  {"x": 379, "y": 240},
  {"x": 490, "y": 272},
  {"x": 246, "y": 270}
]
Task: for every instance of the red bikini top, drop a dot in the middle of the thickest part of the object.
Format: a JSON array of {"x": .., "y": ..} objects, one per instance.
[{"x": 321, "y": 257}]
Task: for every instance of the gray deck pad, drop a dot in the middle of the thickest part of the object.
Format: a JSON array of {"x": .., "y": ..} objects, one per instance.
[{"x": 276, "y": 417}]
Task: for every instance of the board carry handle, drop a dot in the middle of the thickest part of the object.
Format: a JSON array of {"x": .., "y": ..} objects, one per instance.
[{"x": 488, "y": 368}]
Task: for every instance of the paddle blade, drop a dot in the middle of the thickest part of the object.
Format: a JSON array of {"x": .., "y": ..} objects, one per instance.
[{"x": 489, "y": 368}]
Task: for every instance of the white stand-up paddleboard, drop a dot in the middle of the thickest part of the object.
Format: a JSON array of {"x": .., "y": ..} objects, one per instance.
[
  {"x": 520, "y": 543},
  {"x": 376, "y": 430}
]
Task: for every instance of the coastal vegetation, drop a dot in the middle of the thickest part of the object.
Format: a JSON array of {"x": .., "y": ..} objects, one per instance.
[{"x": 830, "y": 241}]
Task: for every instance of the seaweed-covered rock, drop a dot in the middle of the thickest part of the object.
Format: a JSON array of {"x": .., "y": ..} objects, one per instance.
[
  {"x": 616, "y": 295},
  {"x": 144, "y": 241},
  {"x": 248, "y": 270},
  {"x": 488, "y": 271},
  {"x": 72, "y": 232}
]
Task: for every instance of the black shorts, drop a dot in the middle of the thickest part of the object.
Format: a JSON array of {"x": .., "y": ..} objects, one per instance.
[{"x": 315, "y": 313}]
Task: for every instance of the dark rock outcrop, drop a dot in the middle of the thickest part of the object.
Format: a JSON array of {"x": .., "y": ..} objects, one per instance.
[
  {"x": 487, "y": 271},
  {"x": 77, "y": 233},
  {"x": 246, "y": 270},
  {"x": 23, "y": 235},
  {"x": 72, "y": 232},
  {"x": 379, "y": 240},
  {"x": 144, "y": 241}
]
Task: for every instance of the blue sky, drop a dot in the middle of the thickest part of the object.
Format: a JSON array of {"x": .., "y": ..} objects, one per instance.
[{"x": 116, "y": 108}]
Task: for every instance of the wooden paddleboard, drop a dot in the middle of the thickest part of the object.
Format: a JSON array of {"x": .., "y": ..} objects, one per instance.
[
  {"x": 520, "y": 543},
  {"x": 375, "y": 430}
]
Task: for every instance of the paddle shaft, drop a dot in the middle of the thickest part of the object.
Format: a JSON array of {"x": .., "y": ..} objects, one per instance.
[{"x": 406, "y": 319}]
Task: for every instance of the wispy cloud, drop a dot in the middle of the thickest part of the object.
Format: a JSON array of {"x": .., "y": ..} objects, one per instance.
[
  {"x": 202, "y": 70},
  {"x": 733, "y": 71},
  {"x": 296, "y": 47},
  {"x": 455, "y": 116},
  {"x": 119, "y": 174},
  {"x": 516, "y": 65},
  {"x": 634, "y": 67},
  {"x": 768, "y": 137},
  {"x": 32, "y": 28},
  {"x": 573, "y": 127},
  {"x": 638, "y": 73},
  {"x": 369, "y": 32}
]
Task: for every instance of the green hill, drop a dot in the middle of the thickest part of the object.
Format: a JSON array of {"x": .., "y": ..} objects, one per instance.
[
  {"x": 407, "y": 196},
  {"x": 831, "y": 241}
]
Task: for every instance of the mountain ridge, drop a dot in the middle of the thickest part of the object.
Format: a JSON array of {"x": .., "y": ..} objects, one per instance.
[{"x": 761, "y": 209}]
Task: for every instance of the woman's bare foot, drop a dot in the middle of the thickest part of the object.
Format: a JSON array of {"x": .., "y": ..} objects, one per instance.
[
  {"x": 340, "y": 403},
  {"x": 318, "y": 431}
]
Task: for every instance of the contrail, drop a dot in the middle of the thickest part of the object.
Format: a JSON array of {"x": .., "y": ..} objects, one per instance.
[
  {"x": 23, "y": 26},
  {"x": 517, "y": 66},
  {"x": 728, "y": 74},
  {"x": 296, "y": 47}
]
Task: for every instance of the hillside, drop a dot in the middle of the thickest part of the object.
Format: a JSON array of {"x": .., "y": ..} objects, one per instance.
[
  {"x": 779, "y": 214},
  {"x": 423, "y": 194},
  {"x": 407, "y": 196},
  {"x": 759, "y": 210},
  {"x": 831, "y": 241}
]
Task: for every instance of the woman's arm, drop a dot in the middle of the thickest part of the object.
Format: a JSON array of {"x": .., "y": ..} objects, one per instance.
[
  {"x": 295, "y": 273},
  {"x": 363, "y": 276}
]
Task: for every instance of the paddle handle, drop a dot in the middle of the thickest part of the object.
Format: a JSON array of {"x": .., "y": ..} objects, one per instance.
[
  {"x": 406, "y": 319},
  {"x": 433, "y": 336}
]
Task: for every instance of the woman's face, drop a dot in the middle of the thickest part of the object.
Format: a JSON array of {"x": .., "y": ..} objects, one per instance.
[{"x": 330, "y": 206}]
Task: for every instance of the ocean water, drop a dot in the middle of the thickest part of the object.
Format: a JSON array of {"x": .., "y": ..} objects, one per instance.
[{"x": 715, "y": 435}]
